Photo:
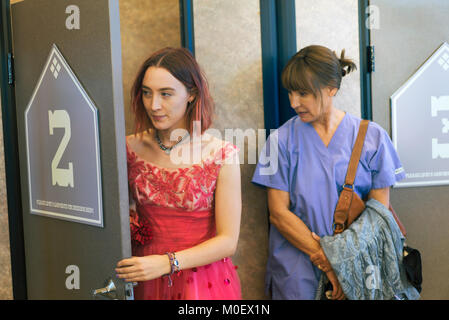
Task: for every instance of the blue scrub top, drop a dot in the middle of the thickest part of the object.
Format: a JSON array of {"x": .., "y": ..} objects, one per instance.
[{"x": 295, "y": 159}]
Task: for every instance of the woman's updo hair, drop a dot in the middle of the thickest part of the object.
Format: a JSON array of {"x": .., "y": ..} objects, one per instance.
[{"x": 314, "y": 68}]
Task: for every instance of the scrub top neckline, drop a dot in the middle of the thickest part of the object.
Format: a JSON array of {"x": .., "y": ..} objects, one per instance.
[{"x": 334, "y": 142}]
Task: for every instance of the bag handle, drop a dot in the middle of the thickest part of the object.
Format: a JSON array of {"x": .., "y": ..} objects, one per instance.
[
  {"x": 346, "y": 196},
  {"x": 356, "y": 153}
]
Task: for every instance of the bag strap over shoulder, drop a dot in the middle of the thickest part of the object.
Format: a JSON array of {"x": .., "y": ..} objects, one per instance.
[
  {"x": 356, "y": 153},
  {"x": 348, "y": 199}
]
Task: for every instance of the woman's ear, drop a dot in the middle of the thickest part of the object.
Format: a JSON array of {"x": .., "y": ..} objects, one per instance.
[
  {"x": 191, "y": 98},
  {"x": 333, "y": 92}
]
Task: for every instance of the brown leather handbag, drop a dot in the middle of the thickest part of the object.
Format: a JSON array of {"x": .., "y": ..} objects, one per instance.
[{"x": 349, "y": 205}]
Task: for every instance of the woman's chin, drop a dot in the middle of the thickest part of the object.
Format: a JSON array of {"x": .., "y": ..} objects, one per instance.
[
  {"x": 305, "y": 117},
  {"x": 160, "y": 125}
]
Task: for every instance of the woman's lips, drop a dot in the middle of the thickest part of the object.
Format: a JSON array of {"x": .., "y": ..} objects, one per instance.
[{"x": 158, "y": 118}]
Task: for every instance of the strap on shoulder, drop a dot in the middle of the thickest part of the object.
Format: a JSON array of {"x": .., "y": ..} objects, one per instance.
[{"x": 356, "y": 153}]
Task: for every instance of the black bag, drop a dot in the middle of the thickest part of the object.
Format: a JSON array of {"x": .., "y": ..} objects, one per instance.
[{"x": 413, "y": 267}]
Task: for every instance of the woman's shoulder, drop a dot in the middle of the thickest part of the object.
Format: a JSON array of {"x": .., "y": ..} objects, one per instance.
[
  {"x": 136, "y": 142},
  {"x": 374, "y": 129},
  {"x": 283, "y": 131},
  {"x": 214, "y": 142},
  {"x": 294, "y": 123},
  {"x": 286, "y": 136},
  {"x": 217, "y": 148}
]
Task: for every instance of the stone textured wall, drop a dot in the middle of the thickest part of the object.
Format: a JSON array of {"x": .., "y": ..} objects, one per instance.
[
  {"x": 146, "y": 26},
  {"x": 5, "y": 258},
  {"x": 228, "y": 47},
  {"x": 333, "y": 24}
]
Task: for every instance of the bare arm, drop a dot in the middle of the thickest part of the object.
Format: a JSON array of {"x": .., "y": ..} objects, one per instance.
[
  {"x": 381, "y": 195},
  {"x": 297, "y": 233},
  {"x": 288, "y": 224},
  {"x": 228, "y": 207}
]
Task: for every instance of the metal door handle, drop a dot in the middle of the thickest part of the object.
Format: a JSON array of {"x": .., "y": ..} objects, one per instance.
[{"x": 106, "y": 291}]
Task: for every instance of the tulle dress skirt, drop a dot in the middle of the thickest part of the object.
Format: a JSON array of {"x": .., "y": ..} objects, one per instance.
[{"x": 174, "y": 230}]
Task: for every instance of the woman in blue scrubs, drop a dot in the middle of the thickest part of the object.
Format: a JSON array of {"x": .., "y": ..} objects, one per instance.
[{"x": 303, "y": 166}]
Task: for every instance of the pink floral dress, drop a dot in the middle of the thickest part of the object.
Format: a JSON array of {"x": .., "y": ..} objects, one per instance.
[{"x": 173, "y": 211}]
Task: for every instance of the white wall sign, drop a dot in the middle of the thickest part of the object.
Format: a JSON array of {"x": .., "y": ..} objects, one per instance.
[
  {"x": 420, "y": 122},
  {"x": 63, "y": 154}
]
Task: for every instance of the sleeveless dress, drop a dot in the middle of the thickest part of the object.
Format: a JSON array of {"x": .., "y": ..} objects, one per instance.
[{"x": 173, "y": 210}]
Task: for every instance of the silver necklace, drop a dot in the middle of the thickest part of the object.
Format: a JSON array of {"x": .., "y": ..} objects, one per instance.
[{"x": 166, "y": 149}]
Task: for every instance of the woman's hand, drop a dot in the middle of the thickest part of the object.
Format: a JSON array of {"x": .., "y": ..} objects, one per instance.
[
  {"x": 143, "y": 268},
  {"x": 318, "y": 258},
  {"x": 337, "y": 291}
]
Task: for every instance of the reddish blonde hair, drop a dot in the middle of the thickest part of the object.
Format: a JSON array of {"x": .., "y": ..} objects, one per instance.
[{"x": 183, "y": 66}]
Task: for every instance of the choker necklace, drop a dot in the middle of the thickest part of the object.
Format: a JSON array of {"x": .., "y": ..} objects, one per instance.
[{"x": 164, "y": 147}]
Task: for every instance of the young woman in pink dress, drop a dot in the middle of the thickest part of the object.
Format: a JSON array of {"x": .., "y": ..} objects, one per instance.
[{"x": 185, "y": 194}]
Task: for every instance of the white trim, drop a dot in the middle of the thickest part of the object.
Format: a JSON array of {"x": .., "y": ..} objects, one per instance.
[{"x": 421, "y": 183}]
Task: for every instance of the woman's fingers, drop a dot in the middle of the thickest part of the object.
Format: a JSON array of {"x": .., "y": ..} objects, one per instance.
[
  {"x": 125, "y": 270},
  {"x": 129, "y": 277},
  {"x": 318, "y": 258},
  {"x": 325, "y": 268},
  {"x": 126, "y": 262},
  {"x": 321, "y": 262}
]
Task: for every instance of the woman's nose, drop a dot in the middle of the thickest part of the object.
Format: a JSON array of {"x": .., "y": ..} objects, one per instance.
[
  {"x": 295, "y": 101},
  {"x": 155, "y": 103}
]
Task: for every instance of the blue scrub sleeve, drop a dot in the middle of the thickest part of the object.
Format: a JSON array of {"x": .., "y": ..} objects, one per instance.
[
  {"x": 272, "y": 167},
  {"x": 386, "y": 168}
]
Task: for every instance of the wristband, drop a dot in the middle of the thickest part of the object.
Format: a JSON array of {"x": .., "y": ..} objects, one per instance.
[{"x": 174, "y": 266}]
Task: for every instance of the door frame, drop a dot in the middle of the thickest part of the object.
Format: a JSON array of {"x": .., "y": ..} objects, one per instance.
[
  {"x": 365, "y": 61},
  {"x": 11, "y": 151}
]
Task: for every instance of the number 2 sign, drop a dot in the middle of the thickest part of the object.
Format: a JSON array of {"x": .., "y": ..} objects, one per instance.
[
  {"x": 64, "y": 168},
  {"x": 60, "y": 176}
]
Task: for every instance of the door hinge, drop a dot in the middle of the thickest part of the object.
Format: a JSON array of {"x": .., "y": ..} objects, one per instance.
[
  {"x": 10, "y": 69},
  {"x": 371, "y": 61}
]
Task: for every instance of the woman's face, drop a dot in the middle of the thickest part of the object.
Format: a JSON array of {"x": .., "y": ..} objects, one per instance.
[
  {"x": 165, "y": 99},
  {"x": 308, "y": 107}
]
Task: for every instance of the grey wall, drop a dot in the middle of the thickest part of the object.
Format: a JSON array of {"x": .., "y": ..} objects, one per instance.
[{"x": 408, "y": 33}]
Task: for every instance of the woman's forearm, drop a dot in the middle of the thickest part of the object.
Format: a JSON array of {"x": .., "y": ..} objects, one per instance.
[
  {"x": 294, "y": 230},
  {"x": 209, "y": 251}
]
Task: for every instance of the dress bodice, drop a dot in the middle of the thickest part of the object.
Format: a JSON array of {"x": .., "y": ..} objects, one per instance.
[{"x": 190, "y": 188}]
